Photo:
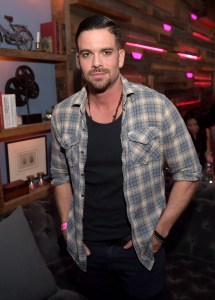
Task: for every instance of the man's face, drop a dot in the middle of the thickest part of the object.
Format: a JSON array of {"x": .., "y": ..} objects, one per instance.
[{"x": 99, "y": 59}]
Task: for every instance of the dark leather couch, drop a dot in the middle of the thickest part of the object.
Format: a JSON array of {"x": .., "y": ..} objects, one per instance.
[
  {"x": 190, "y": 250},
  {"x": 35, "y": 266},
  {"x": 44, "y": 222}
]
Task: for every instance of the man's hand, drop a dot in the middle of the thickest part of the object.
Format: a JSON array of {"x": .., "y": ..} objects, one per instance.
[
  {"x": 156, "y": 245},
  {"x": 128, "y": 245},
  {"x": 87, "y": 250}
]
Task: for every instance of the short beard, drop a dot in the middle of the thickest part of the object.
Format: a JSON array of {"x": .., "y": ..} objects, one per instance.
[{"x": 97, "y": 87}]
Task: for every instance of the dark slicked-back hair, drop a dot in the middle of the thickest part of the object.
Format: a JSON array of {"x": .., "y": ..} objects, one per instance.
[{"x": 99, "y": 22}]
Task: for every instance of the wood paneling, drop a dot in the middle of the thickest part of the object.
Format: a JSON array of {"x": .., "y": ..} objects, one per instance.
[{"x": 141, "y": 22}]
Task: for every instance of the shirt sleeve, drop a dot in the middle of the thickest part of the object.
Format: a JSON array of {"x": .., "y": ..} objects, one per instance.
[
  {"x": 59, "y": 166},
  {"x": 179, "y": 150}
]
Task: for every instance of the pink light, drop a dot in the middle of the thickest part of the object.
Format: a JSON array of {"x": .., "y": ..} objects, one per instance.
[
  {"x": 136, "y": 55},
  {"x": 188, "y": 102},
  {"x": 189, "y": 75},
  {"x": 167, "y": 27},
  {"x": 201, "y": 36},
  {"x": 202, "y": 77},
  {"x": 202, "y": 83},
  {"x": 189, "y": 56},
  {"x": 145, "y": 47},
  {"x": 193, "y": 16},
  {"x": 206, "y": 21}
]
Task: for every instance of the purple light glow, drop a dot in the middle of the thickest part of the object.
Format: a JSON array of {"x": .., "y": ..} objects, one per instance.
[
  {"x": 193, "y": 16},
  {"x": 189, "y": 75},
  {"x": 167, "y": 27},
  {"x": 136, "y": 55}
]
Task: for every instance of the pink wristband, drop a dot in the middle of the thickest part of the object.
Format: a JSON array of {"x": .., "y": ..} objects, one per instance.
[{"x": 63, "y": 226}]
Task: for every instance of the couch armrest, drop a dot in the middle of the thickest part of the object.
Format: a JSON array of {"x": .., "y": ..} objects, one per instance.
[{"x": 193, "y": 233}]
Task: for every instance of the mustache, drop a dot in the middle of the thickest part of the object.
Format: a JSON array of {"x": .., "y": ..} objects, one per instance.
[{"x": 98, "y": 70}]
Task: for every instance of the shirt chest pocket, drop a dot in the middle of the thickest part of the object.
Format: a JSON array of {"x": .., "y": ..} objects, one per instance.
[
  {"x": 71, "y": 149},
  {"x": 144, "y": 145}
]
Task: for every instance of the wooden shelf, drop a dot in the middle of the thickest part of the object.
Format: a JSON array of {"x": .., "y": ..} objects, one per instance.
[
  {"x": 24, "y": 130},
  {"x": 35, "y": 194},
  {"x": 16, "y": 133},
  {"x": 32, "y": 56},
  {"x": 29, "y": 129}
]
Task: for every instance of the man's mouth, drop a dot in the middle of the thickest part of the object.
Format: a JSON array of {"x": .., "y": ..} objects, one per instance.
[{"x": 98, "y": 72}]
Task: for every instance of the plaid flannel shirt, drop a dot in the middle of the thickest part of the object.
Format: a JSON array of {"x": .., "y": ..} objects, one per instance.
[{"x": 152, "y": 131}]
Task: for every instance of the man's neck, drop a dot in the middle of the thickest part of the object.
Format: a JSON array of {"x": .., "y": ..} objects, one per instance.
[{"x": 103, "y": 106}]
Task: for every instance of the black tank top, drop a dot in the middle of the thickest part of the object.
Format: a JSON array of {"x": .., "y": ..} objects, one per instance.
[{"x": 105, "y": 216}]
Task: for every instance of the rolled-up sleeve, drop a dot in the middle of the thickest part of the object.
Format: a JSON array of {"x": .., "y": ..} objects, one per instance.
[
  {"x": 59, "y": 166},
  {"x": 179, "y": 149}
]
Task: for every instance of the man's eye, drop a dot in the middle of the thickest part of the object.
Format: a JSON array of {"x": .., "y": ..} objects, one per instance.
[
  {"x": 85, "y": 54},
  {"x": 107, "y": 52}
]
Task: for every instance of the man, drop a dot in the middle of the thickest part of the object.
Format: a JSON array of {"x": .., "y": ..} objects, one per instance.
[{"x": 110, "y": 141}]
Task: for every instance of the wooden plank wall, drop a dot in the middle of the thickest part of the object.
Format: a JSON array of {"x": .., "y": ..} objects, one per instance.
[{"x": 141, "y": 22}]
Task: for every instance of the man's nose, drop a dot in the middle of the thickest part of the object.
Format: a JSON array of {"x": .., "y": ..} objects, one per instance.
[{"x": 97, "y": 61}]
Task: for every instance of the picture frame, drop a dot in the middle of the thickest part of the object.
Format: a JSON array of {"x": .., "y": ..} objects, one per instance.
[{"x": 26, "y": 157}]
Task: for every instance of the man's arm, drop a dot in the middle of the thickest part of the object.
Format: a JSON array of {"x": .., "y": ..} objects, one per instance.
[
  {"x": 63, "y": 198},
  {"x": 179, "y": 198}
]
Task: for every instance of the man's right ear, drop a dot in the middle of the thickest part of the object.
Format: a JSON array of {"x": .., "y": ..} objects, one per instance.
[{"x": 77, "y": 61}]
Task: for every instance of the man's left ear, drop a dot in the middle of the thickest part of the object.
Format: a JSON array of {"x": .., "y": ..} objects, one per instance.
[
  {"x": 121, "y": 58},
  {"x": 77, "y": 62}
]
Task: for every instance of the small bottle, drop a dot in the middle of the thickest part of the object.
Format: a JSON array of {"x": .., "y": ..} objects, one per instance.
[
  {"x": 31, "y": 183},
  {"x": 208, "y": 174},
  {"x": 40, "y": 177}
]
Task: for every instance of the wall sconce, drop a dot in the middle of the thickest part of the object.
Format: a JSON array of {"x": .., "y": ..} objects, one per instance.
[
  {"x": 189, "y": 75},
  {"x": 136, "y": 55},
  {"x": 145, "y": 47},
  {"x": 193, "y": 16},
  {"x": 167, "y": 27},
  {"x": 189, "y": 56},
  {"x": 201, "y": 36}
]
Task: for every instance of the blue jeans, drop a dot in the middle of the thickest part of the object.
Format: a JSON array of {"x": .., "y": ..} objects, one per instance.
[{"x": 114, "y": 273}]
